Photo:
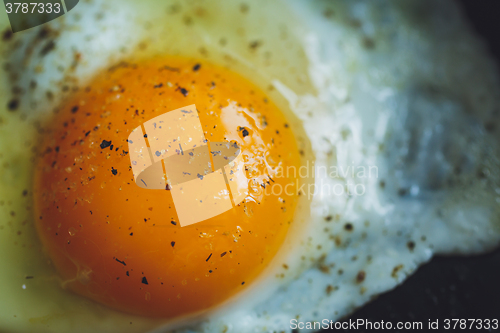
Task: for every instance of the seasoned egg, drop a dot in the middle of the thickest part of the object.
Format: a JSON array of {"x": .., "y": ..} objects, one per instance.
[
  {"x": 123, "y": 245},
  {"x": 379, "y": 120}
]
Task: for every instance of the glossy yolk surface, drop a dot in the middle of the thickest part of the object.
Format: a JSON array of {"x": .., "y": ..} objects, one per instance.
[{"x": 122, "y": 245}]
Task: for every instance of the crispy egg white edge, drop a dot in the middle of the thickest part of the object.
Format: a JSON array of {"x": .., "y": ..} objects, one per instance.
[{"x": 356, "y": 93}]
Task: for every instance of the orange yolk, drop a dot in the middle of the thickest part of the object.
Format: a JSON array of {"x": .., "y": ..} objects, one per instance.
[{"x": 122, "y": 245}]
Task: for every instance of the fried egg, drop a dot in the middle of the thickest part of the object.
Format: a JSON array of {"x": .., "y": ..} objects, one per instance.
[{"x": 380, "y": 117}]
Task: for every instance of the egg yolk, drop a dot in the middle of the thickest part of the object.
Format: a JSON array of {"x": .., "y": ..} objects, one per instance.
[{"x": 122, "y": 245}]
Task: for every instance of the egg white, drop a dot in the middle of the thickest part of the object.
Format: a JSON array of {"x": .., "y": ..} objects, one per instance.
[{"x": 373, "y": 84}]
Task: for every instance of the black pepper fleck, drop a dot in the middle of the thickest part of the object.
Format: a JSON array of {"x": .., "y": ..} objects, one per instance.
[
  {"x": 13, "y": 104},
  {"x": 105, "y": 144},
  {"x": 114, "y": 171},
  {"x": 44, "y": 33},
  {"x": 51, "y": 45},
  {"x": 183, "y": 91},
  {"x": 7, "y": 35},
  {"x": 360, "y": 277},
  {"x": 244, "y": 131},
  {"x": 144, "y": 280},
  {"x": 196, "y": 67},
  {"x": 255, "y": 44},
  {"x": 402, "y": 192},
  {"x": 121, "y": 262}
]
